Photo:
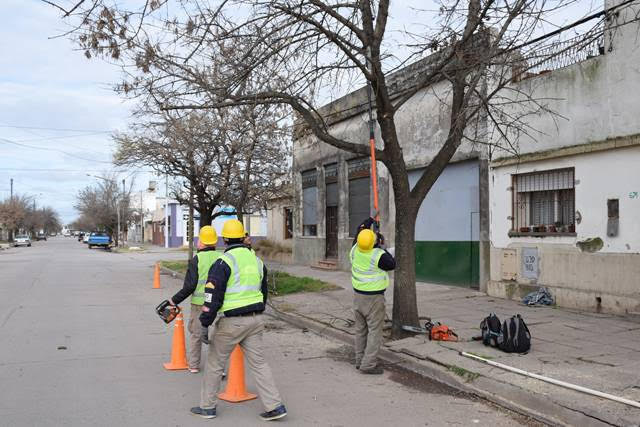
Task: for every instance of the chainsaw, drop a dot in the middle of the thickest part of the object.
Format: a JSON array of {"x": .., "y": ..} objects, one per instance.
[
  {"x": 434, "y": 330},
  {"x": 166, "y": 311}
]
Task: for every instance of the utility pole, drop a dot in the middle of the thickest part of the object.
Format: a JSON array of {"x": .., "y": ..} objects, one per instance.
[
  {"x": 141, "y": 220},
  {"x": 190, "y": 224},
  {"x": 124, "y": 214},
  {"x": 11, "y": 198},
  {"x": 166, "y": 211}
]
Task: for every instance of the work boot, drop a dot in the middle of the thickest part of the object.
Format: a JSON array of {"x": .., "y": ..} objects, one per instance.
[
  {"x": 376, "y": 370},
  {"x": 275, "y": 414},
  {"x": 204, "y": 413}
]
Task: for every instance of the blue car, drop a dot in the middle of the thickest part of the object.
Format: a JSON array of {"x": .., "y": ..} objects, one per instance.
[{"x": 100, "y": 239}]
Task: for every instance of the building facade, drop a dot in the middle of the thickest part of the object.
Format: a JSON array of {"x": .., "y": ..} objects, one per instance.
[
  {"x": 565, "y": 214},
  {"x": 332, "y": 188}
]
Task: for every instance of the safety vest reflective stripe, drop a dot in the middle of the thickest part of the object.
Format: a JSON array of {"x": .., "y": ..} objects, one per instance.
[
  {"x": 239, "y": 289},
  {"x": 205, "y": 261},
  {"x": 245, "y": 281}
]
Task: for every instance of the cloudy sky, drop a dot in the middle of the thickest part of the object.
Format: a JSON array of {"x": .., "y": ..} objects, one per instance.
[
  {"x": 57, "y": 108},
  {"x": 57, "y": 104}
]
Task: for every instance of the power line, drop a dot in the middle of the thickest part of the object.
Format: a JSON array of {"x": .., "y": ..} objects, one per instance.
[
  {"x": 46, "y": 138},
  {"x": 56, "y": 129},
  {"x": 73, "y": 170},
  {"x": 8, "y": 141}
]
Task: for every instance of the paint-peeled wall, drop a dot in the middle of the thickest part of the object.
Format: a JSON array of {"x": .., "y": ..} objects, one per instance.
[
  {"x": 596, "y": 132},
  {"x": 591, "y": 270}
]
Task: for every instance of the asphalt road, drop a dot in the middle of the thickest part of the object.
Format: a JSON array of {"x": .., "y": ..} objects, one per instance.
[{"x": 80, "y": 345}]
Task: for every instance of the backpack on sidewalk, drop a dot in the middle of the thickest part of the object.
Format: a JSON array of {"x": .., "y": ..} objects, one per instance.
[
  {"x": 516, "y": 337},
  {"x": 491, "y": 331}
]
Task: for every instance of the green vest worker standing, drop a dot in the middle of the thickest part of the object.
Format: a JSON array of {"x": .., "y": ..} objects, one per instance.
[
  {"x": 369, "y": 277},
  {"x": 194, "y": 282},
  {"x": 236, "y": 290}
]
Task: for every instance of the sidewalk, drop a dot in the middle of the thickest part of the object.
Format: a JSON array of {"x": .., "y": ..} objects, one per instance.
[{"x": 597, "y": 351}]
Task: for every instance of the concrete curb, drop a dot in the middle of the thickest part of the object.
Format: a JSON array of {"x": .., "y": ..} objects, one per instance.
[
  {"x": 506, "y": 395},
  {"x": 509, "y": 396}
]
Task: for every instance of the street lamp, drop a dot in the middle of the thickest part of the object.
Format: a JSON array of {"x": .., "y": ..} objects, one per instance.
[{"x": 116, "y": 202}]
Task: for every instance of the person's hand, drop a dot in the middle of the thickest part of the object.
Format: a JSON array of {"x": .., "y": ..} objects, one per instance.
[{"x": 171, "y": 303}]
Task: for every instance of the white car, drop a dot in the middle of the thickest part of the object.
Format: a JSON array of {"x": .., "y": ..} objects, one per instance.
[
  {"x": 85, "y": 239},
  {"x": 22, "y": 240}
]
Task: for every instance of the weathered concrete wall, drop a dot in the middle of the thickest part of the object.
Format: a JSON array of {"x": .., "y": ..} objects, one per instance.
[
  {"x": 606, "y": 280},
  {"x": 595, "y": 131},
  {"x": 592, "y": 100}
]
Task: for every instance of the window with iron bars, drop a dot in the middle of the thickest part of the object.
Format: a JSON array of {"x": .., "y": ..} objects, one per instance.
[{"x": 544, "y": 202}]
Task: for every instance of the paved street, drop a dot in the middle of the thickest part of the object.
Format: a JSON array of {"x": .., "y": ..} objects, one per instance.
[{"x": 81, "y": 345}]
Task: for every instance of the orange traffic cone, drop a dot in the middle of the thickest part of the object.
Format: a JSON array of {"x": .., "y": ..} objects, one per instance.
[
  {"x": 236, "y": 390},
  {"x": 156, "y": 277},
  {"x": 178, "y": 350}
]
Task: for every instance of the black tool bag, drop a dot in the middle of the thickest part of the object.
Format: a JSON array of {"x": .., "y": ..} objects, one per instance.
[
  {"x": 516, "y": 337},
  {"x": 491, "y": 331}
]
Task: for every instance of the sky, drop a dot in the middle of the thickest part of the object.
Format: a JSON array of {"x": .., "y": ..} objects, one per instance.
[
  {"x": 58, "y": 109},
  {"x": 53, "y": 98}
]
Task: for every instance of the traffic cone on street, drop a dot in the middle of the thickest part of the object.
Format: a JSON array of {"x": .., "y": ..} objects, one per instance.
[
  {"x": 236, "y": 390},
  {"x": 156, "y": 277},
  {"x": 178, "y": 350}
]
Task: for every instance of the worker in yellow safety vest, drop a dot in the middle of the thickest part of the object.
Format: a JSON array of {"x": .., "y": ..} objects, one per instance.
[
  {"x": 369, "y": 266},
  {"x": 236, "y": 292},
  {"x": 194, "y": 282}
]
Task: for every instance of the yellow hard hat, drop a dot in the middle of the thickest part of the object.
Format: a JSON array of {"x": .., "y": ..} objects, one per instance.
[
  {"x": 208, "y": 235},
  {"x": 366, "y": 240},
  {"x": 233, "y": 229}
]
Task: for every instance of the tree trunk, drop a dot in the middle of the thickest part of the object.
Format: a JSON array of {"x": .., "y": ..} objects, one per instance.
[
  {"x": 405, "y": 307},
  {"x": 206, "y": 216}
]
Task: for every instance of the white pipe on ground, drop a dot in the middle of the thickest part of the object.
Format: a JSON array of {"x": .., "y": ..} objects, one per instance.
[{"x": 553, "y": 381}]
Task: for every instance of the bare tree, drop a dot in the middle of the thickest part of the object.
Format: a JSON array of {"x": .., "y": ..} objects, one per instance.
[
  {"x": 100, "y": 205},
  {"x": 232, "y": 157},
  {"x": 296, "y": 52},
  {"x": 14, "y": 214}
]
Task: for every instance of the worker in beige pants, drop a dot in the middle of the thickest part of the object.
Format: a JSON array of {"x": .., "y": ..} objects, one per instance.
[
  {"x": 370, "y": 264},
  {"x": 247, "y": 332},
  {"x": 236, "y": 294}
]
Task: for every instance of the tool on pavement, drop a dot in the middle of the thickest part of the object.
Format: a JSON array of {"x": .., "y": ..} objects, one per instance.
[
  {"x": 178, "y": 347},
  {"x": 167, "y": 311},
  {"x": 435, "y": 331},
  {"x": 236, "y": 390},
  {"x": 553, "y": 380}
]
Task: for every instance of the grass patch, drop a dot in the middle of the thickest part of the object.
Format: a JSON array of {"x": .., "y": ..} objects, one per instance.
[
  {"x": 281, "y": 283},
  {"x": 461, "y": 372},
  {"x": 178, "y": 266}
]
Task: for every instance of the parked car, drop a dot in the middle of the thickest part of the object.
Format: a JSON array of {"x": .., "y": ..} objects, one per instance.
[
  {"x": 100, "y": 239},
  {"x": 80, "y": 237},
  {"x": 41, "y": 236},
  {"x": 85, "y": 237},
  {"x": 22, "y": 240}
]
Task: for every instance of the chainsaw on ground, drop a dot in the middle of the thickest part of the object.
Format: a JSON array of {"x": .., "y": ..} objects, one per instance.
[
  {"x": 166, "y": 311},
  {"x": 435, "y": 331}
]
